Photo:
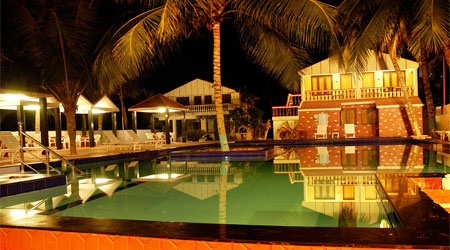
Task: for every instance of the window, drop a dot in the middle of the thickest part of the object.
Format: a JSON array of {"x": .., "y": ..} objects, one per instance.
[
  {"x": 370, "y": 157},
  {"x": 183, "y": 100},
  {"x": 197, "y": 100},
  {"x": 208, "y": 99},
  {"x": 346, "y": 81},
  {"x": 368, "y": 80},
  {"x": 324, "y": 192},
  {"x": 321, "y": 82},
  {"x": 369, "y": 116},
  {"x": 349, "y": 192},
  {"x": 348, "y": 160},
  {"x": 348, "y": 116},
  {"x": 390, "y": 79},
  {"x": 226, "y": 98}
]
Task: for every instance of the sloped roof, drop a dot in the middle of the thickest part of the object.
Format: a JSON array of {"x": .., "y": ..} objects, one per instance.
[
  {"x": 157, "y": 104},
  {"x": 105, "y": 105},
  {"x": 331, "y": 66},
  {"x": 197, "y": 87}
]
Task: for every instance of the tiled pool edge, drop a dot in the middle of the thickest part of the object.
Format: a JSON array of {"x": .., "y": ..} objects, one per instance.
[{"x": 51, "y": 240}]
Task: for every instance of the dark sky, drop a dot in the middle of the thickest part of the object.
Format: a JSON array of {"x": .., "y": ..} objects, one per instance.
[{"x": 194, "y": 60}]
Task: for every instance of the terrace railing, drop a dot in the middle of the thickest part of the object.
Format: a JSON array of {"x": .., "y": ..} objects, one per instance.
[
  {"x": 293, "y": 100},
  {"x": 328, "y": 95},
  {"x": 207, "y": 108},
  {"x": 285, "y": 111},
  {"x": 349, "y": 94},
  {"x": 385, "y": 92}
]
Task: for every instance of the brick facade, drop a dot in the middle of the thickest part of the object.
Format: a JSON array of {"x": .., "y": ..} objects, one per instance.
[{"x": 393, "y": 122}]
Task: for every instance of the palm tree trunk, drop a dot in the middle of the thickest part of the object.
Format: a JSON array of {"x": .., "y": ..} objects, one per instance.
[
  {"x": 431, "y": 110},
  {"x": 70, "y": 113},
  {"x": 122, "y": 107},
  {"x": 218, "y": 88},
  {"x": 410, "y": 109},
  {"x": 447, "y": 52}
]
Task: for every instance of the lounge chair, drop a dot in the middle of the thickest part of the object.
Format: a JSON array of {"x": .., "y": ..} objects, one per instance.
[
  {"x": 443, "y": 135},
  {"x": 349, "y": 130},
  {"x": 11, "y": 145},
  {"x": 138, "y": 139},
  {"x": 321, "y": 131},
  {"x": 109, "y": 139}
]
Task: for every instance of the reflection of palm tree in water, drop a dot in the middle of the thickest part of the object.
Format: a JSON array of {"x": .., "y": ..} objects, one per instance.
[
  {"x": 348, "y": 217},
  {"x": 292, "y": 153},
  {"x": 223, "y": 200}
]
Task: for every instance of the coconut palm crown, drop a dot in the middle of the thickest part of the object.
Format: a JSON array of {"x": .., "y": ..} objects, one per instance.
[{"x": 274, "y": 34}]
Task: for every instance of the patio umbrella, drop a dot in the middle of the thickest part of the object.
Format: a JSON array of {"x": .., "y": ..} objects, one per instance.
[{"x": 159, "y": 104}]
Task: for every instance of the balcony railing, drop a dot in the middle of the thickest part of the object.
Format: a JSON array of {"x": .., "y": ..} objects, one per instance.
[
  {"x": 349, "y": 94},
  {"x": 293, "y": 100},
  {"x": 326, "y": 95},
  {"x": 384, "y": 92},
  {"x": 207, "y": 108},
  {"x": 285, "y": 111}
]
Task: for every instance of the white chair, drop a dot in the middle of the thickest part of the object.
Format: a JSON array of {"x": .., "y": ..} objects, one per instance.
[
  {"x": 321, "y": 131},
  {"x": 349, "y": 130}
]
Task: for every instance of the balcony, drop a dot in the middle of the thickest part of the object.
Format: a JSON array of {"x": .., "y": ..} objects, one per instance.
[
  {"x": 350, "y": 94},
  {"x": 285, "y": 111}
]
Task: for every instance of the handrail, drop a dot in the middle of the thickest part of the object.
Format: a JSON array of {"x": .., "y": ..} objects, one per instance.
[{"x": 45, "y": 148}]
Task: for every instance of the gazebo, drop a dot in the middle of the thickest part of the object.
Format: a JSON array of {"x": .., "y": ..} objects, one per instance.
[
  {"x": 157, "y": 104},
  {"x": 105, "y": 105},
  {"x": 27, "y": 100}
]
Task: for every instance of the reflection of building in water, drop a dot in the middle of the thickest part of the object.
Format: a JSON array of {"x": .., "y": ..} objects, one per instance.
[
  {"x": 205, "y": 177},
  {"x": 340, "y": 181}
]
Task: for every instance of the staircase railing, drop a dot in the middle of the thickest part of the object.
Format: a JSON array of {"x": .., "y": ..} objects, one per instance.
[{"x": 47, "y": 150}]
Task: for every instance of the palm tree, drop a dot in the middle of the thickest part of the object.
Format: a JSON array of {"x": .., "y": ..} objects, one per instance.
[
  {"x": 274, "y": 34},
  {"x": 383, "y": 26},
  {"x": 55, "y": 39}
]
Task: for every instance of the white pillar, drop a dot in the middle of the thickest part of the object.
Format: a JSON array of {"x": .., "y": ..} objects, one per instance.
[{"x": 203, "y": 124}]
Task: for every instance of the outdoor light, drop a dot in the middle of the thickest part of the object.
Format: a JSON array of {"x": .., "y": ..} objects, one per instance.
[
  {"x": 19, "y": 213},
  {"x": 13, "y": 97}
]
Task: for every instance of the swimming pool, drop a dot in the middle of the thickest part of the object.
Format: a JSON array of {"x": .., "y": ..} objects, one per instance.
[{"x": 322, "y": 187}]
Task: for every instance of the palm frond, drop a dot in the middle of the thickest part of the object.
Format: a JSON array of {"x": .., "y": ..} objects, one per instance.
[
  {"x": 430, "y": 25},
  {"x": 376, "y": 31},
  {"x": 137, "y": 43},
  {"x": 275, "y": 55}
]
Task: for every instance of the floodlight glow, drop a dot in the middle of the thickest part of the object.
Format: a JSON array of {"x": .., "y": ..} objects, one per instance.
[
  {"x": 13, "y": 97},
  {"x": 19, "y": 213}
]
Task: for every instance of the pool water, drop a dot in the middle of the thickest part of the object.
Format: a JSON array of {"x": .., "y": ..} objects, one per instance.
[{"x": 302, "y": 186}]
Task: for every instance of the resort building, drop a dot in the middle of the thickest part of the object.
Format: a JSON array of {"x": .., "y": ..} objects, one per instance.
[
  {"x": 198, "y": 96},
  {"x": 334, "y": 103}
]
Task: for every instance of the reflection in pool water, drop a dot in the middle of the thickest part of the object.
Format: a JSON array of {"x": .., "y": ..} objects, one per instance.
[{"x": 302, "y": 186}]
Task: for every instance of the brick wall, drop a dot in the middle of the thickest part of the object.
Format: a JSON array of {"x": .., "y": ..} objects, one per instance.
[
  {"x": 309, "y": 124},
  {"x": 393, "y": 122}
]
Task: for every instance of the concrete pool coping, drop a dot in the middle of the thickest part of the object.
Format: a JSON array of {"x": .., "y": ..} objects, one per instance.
[{"x": 433, "y": 233}]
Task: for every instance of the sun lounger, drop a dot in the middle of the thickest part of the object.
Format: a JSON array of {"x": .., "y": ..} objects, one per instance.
[
  {"x": 137, "y": 139},
  {"x": 110, "y": 139}
]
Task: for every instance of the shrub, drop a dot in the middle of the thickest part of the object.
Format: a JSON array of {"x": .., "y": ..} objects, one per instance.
[{"x": 194, "y": 134}]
